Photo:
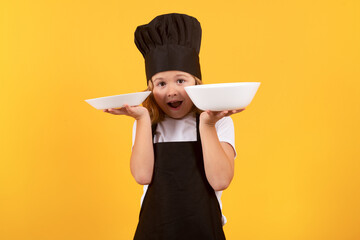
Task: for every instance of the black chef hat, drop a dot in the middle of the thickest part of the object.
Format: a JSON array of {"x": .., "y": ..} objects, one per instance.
[{"x": 170, "y": 42}]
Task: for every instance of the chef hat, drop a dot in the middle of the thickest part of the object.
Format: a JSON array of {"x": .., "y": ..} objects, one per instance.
[{"x": 170, "y": 42}]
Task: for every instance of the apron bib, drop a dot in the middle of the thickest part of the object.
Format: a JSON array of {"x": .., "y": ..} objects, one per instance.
[{"x": 179, "y": 202}]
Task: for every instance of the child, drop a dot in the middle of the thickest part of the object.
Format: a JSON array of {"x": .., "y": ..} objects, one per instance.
[{"x": 182, "y": 156}]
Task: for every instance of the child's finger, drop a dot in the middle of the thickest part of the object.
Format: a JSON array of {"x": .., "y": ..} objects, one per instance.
[
  {"x": 117, "y": 111},
  {"x": 235, "y": 111},
  {"x": 128, "y": 109}
]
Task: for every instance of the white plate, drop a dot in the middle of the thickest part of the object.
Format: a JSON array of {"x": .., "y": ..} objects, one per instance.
[
  {"x": 222, "y": 96},
  {"x": 118, "y": 101}
]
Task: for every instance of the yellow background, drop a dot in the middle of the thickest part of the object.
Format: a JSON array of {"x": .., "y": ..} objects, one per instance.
[{"x": 64, "y": 166}]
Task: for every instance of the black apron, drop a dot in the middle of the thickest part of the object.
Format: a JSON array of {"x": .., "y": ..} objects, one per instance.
[{"x": 179, "y": 202}]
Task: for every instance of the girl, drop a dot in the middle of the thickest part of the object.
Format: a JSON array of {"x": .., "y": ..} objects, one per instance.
[{"x": 182, "y": 156}]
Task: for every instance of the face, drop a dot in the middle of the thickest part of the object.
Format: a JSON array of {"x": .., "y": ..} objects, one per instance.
[{"x": 169, "y": 92}]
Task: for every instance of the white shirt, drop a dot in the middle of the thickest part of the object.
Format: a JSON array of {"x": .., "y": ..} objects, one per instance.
[{"x": 184, "y": 130}]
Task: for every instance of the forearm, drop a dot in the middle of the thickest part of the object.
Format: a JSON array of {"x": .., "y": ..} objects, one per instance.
[
  {"x": 142, "y": 156},
  {"x": 219, "y": 167}
]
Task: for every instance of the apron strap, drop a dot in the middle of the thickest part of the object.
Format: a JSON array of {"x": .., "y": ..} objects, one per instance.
[
  {"x": 197, "y": 127},
  {"x": 153, "y": 129}
]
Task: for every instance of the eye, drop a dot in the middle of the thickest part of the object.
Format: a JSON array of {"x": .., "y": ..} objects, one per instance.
[
  {"x": 180, "y": 81},
  {"x": 161, "y": 84}
]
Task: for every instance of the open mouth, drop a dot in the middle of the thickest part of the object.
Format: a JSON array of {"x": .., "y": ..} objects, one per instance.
[{"x": 175, "y": 104}]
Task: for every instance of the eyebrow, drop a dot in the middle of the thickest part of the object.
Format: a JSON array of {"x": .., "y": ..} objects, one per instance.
[{"x": 157, "y": 79}]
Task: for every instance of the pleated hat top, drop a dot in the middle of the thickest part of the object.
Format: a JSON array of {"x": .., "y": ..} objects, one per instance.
[{"x": 170, "y": 42}]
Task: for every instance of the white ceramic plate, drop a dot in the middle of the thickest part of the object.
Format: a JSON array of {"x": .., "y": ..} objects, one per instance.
[
  {"x": 118, "y": 101},
  {"x": 222, "y": 96}
]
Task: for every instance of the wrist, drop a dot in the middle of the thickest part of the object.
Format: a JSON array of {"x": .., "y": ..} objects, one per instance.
[
  {"x": 143, "y": 117},
  {"x": 205, "y": 122},
  {"x": 207, "y": 119}
]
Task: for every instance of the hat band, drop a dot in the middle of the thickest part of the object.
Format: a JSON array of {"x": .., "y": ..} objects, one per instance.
[{"x": 172, "y": 57}]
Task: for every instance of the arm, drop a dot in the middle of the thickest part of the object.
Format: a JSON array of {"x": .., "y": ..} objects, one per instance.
[
  {"x": 218, "y": 156},
  {"x": 142, "y": 155}
]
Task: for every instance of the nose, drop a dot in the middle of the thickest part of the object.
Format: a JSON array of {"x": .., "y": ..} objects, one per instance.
[{"x": 172, "y": 91}]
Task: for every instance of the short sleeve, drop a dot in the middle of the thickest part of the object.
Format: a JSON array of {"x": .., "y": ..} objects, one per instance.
[
  {"x": 225, "y": 130},
  {"x": 133, "y": 134}
]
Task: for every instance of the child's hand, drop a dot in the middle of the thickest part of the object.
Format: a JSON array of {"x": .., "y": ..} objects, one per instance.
[
  {"x": 211, "y": 117},
  {"x": 136, "y": 112}
]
